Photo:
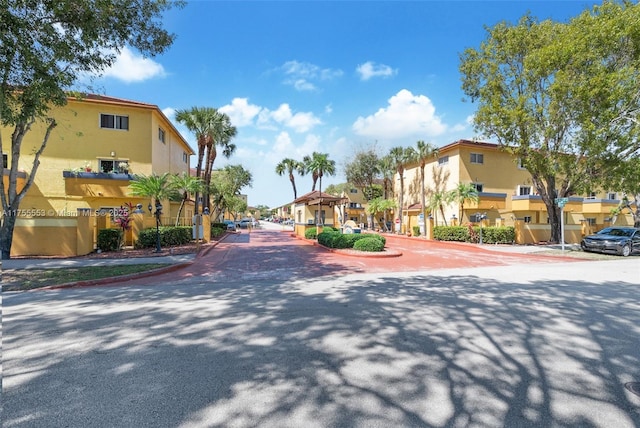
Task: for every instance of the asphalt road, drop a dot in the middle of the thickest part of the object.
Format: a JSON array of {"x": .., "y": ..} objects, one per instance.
[{"x": 263, "y": 334}]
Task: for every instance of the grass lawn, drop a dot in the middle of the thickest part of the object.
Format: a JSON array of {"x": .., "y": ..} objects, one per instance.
[{"x": 28, "y": 279}]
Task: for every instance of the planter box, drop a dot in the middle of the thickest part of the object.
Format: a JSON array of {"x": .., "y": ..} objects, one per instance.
[{"x": 97, "y": 175}]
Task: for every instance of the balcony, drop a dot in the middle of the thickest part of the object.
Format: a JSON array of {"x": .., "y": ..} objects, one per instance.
[{"x": 98, "y": 175}]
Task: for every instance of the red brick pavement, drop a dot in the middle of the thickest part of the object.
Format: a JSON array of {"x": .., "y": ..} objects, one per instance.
[{"x": 278, "y": 255}]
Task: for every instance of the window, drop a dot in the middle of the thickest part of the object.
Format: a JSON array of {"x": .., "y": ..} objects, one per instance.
[
  {"x": 115, "y": 166},
  {"x": 353, "y": 190},
  {"x": 444, "y": 160},
  {"x": 113, "y": 121},
  {"x": 527, "y": 219},
  {"x": 5, "y": 161},
  {"x": 185, "y": 157},
  {"x": 592, "y": 195},
  {"x": 612, "y": 196},
  {"x": 161, "y": 135},
  {"x": 477, "y": 158},
  {"x": 524, "y": 190},
  {"x": 478, "y": 187}
]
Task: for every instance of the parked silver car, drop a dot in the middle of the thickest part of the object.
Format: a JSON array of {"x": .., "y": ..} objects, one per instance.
[{"x": 619, "y": 240}]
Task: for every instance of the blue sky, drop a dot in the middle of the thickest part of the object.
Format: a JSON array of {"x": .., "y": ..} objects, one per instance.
[{"x": 329, "y": 76}]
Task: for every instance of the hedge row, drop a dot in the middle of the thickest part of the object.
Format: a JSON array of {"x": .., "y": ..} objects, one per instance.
[
  {"x": 490, "y": 235},
  {"x": 333, "y": 238},
  {"x": 169, "y": 236}
]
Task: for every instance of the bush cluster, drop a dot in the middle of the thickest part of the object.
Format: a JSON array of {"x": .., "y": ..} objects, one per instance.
[
  {"x": 217, "y": 231},
  {"x": 333, "y": 238},
  {"x": 169, "y": 236},
  {"x": 109, "y": 239},
  {"x": 490, "y": 235}
]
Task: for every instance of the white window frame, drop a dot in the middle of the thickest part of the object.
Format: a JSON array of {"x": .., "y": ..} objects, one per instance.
[
  {"x": 477, "y": 158},
  {"x": 162, "y": 135},
  {"x": 118, "y": 121},
  {"x": 612, "y": 196},
  {"x": 521, "y": 190},
  {"x": 115, "y": 165},
  {"x": 444, "y": 160},
  {"x": 520, "y": 164}
]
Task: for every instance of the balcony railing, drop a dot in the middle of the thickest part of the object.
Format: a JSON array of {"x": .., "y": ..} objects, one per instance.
[{"x": 98, "y": 175}]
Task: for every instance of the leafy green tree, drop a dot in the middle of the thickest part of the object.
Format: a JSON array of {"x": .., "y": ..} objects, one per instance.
[
  {"x": 562, "y": 97},
  {"x": 44, "y": 48},
  {"x": 185, "y": 184},
  {"x": 363, "y": 171},
  {"x": 462, "y": 193},
  {"x": 401, "y": 157},
  {"x": 338, "y": 189},
  {"x": 289, "y": 166},
  {"x": 227, "y": 185},
  {"x": 424, "y": 152}
]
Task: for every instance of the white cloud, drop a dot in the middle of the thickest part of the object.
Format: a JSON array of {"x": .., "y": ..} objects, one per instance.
[
  {"x": 370, "y": 69},
  {"x": 299, "y": 122},
  {"x": 240, "y": 112},
  {"x": 301, "y": 75},
  {"x": 407, "y": 115},
  {"x": 130, "y": 67}
]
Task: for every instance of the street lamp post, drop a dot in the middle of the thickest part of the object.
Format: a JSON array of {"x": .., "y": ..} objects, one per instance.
[{"x": 157, "y": 214}]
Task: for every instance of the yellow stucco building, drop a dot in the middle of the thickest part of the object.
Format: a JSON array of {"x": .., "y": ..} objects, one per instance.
[
  {"x": 506, "y": 194},
  {"x": 91, "y": 156}
]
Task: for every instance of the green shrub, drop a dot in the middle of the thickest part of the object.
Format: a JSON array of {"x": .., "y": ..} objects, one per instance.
[
  {"x": 222, "y": 226},
  {"x": 217, "y": 232},
  {"x": 109, "y": 239},
  {"x": 369, "y": 244},
  {"x": 490, "y": 235},
  {"x": 416, "y": 230},
  {"x": 169, "y": 236},
  {"x": 311, "y": 233},
  {"x": 451, "y": 233}
]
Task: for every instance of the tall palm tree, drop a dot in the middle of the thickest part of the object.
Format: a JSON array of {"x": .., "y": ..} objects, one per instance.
[
  {"x": 401, "y": 156},
  {"x": 198, "y": 120},
  {"x": 388, "y": 170},
  {"x": 222, "y": 134},
  {"x": 437, "y": 201},
  {"x": 157, "y": 187},
  {"x": 288, "y": 166},
  {"x": 185, "y": 184},
  {"x": 319, "y": 164},
  {"x": 462, "y": 193},
  {"x": 424, "y": 152},
  {"x": 211, "y": 128}
]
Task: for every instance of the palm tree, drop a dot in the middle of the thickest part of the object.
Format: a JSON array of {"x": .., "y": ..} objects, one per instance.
[
  {"x": 401, "y": 156},
  {"x": 157, "y": 187},
  {"x": 185, "y": 184},
  {"x": 319, "y": 164},
  {"x": 388, "y": 170},
  {"x": 378, "y": 205},
  {"x": 198, "y": 120},
  {"x": 222, "y": 134},
  {"x": 211, "y": 129},
  {"x": 462, "y": 193},
  {"x": 288, "y": 166},
  {"x": 424, "y": 152},
  {"x": 437, "y": 201}
]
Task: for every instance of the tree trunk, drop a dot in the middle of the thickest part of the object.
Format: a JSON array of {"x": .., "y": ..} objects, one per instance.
[{"x": 6, "y": 234}]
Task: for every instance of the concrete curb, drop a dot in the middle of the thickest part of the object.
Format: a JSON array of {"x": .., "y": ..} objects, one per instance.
[{"x": 204, "y": 250}]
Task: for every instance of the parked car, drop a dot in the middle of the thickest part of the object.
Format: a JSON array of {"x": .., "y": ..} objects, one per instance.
[
  {"x": 621, "y": 240},
  {"x": 244, "y": 223},
  {"x": 230, "y": 224}
]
